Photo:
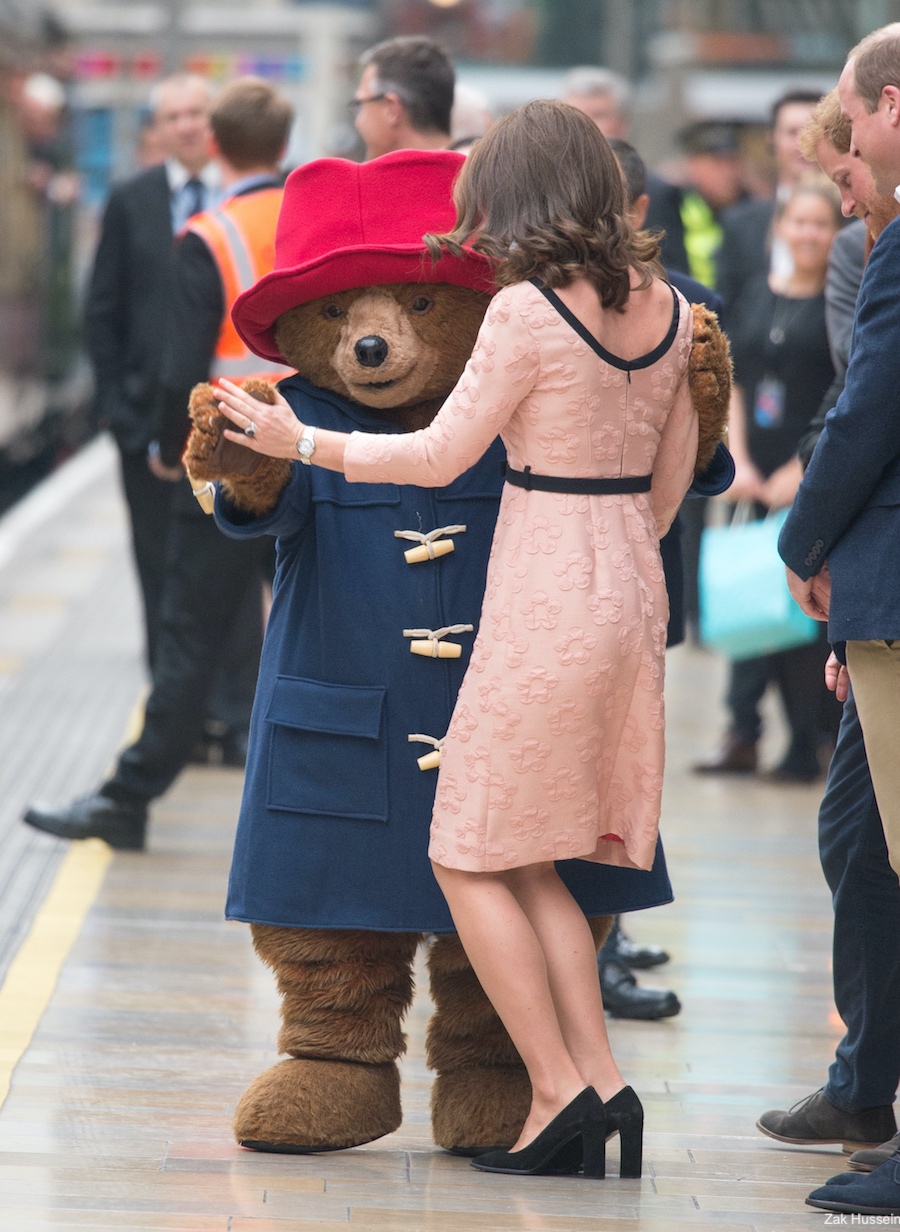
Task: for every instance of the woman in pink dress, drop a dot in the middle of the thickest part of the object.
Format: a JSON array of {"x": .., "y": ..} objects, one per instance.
[{"x": 555, "y": 749}]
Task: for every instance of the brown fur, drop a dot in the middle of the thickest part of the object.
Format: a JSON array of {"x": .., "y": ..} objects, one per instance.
[
  {"x": 475, "y": 1109},
  {"x": 208, "y": 455},
  {"x": 427, "y": 351},
  {"x": 344, "y": 992},
  {"x": 709, "y": 374},
  {"x": 337, "y": 1104}
]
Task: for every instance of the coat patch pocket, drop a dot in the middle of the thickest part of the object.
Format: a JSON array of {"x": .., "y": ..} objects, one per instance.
[{"x": 327, "y": 755}]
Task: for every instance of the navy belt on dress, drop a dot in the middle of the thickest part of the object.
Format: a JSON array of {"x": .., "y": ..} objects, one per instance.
[{"x": 579, "y": 487}]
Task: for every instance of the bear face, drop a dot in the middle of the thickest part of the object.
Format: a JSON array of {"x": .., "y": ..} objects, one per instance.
[{"x": 385, "y": 347}]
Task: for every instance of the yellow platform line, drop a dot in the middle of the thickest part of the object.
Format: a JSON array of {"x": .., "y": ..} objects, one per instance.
[
  {"x": 32, "y": 977},
  {"x": 34, "y": 972}
]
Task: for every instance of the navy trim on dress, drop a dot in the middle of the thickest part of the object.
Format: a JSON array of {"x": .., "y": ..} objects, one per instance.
[{"x": 625, "y": 365}]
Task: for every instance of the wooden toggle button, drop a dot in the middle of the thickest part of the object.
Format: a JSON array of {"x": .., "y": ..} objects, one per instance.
[
  {"x": 429, "y": 551},
  {"x": 205, "y": 496},
  {"x": 433, "y": 649},
  {"x": 428, "y": 761}
]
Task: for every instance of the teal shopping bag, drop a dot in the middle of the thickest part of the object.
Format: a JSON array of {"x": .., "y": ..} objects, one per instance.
[{"x": 746, "y": 608}]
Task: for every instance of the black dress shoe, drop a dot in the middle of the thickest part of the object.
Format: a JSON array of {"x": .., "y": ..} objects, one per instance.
[
  {"x": 735, "y": 755},
  {"x": 873, "y": 1157},
  {"x": 122, "y": 825},
  {"x": 638, "y": 957},
  {"x": 815, "y": 1120},
  {"x": 624, "y": 998}
]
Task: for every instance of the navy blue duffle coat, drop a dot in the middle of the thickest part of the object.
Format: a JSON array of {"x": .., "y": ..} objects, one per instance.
[{"x": 333, "y": 829}]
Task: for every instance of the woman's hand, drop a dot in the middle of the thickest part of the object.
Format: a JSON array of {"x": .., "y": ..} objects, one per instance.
[{"x": 273, "y": 429}]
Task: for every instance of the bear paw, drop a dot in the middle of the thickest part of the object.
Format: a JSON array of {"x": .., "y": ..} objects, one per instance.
[
  {"x": 709, "y": 375},
  {"x": 300, "y": 1106},
  {"x": 250, "y": 480},
  {"x": 476, "y": 1109}
]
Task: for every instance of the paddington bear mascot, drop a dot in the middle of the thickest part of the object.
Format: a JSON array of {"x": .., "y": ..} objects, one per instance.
[{"x": 376, "y": 603}]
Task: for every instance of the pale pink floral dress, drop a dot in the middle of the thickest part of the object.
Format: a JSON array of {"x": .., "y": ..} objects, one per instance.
[{"x": 556, "y": 745}]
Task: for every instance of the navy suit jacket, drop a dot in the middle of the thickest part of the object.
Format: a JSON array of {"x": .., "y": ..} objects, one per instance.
[{"x": 847, "y": 510}]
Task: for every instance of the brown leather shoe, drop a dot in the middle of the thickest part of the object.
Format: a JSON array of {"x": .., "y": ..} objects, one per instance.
[
  {"x": 872, "y": 1158},
  {"x": 733, "y": 756},
  {"x": 815, "y": 1120}
]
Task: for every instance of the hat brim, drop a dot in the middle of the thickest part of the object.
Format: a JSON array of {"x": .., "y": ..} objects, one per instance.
[{"x": 255, "y": 311}]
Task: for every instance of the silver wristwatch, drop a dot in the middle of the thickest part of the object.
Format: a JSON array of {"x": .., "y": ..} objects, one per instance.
[{"x": 306, "y": 446}]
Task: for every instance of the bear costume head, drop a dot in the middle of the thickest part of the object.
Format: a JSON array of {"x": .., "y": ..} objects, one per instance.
[{"x": 355, "y": 303}]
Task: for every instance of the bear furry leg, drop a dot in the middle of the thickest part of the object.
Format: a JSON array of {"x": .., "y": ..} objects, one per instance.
[
  {"x": 481, "y": 1094},
  {"x": 344, "y": 994}
]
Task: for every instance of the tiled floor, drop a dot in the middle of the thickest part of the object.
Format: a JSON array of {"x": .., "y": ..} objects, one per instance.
[{"x": 119, "y": 1112}]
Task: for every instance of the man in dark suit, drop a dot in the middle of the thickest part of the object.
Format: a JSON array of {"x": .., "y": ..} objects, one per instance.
[
  {"x": 127, "y": 307},
  {"x": 840, "y": 539},
  {"x": 212, "y": 582},
  {"x": 854, "y": 1107}
]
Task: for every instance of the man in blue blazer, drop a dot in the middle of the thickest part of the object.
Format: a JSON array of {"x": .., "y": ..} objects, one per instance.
[
  {"x": 841, "y": 539},
  {"x": 847, "y": 511}
]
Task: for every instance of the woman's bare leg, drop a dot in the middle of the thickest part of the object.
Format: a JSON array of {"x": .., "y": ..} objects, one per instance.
[
  {"x": 509, "y": 960},
  {"x": 571, "y": 957}
]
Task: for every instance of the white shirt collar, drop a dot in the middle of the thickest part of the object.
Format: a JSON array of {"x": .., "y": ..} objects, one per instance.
[
  {"x": 897, "y": 193},
  {"x": 178, "y": 175}
]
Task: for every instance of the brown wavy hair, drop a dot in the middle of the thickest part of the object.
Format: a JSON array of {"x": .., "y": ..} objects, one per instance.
[{"x": 543, "y": 195}]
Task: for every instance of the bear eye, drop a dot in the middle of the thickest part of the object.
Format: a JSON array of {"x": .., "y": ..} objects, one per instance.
[
  {"x": 422, "y": 304},
  {"x": 333, "y": 311}
]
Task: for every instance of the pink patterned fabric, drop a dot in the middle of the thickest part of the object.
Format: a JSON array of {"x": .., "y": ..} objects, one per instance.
[{"x": 556, "y": 745}]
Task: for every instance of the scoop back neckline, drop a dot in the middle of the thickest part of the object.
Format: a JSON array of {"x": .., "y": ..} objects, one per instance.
[{"x": 625, "y": 365}]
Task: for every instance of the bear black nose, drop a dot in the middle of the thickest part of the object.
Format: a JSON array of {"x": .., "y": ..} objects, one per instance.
[{"x": 371, "y": 351}]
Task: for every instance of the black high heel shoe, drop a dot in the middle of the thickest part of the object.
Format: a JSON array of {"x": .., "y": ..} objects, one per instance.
[
  {"x": 625, "y": 1117},
  {"x": 582, "y": 1123}
]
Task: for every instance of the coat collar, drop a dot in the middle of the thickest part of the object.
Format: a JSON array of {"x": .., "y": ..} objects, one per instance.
[{"x": 359, "y": 414}]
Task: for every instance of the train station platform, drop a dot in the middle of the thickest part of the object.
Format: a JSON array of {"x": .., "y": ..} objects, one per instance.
[{"x": 132, "y": 1015}]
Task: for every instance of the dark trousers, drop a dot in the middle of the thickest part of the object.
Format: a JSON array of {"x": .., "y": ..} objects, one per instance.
[
  {"x": 150, "y": 502},
  {"x": 866, "y": 895},
  {"x": 812, "y": 713},
  {"x": 212, "y": 583}
]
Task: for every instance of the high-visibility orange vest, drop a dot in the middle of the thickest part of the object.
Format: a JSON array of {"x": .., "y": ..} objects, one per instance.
[{"x": 241, "y": 237}]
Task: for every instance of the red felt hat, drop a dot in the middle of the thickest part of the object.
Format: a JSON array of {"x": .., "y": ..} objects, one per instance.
[{"x": 344, "y": 225}]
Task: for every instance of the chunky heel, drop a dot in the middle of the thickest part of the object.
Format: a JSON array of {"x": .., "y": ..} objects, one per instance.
[
  {"x": 631, "y": 1151},
  {"x": 625, "y": 1117},
  {"x": 593, "y": 1143}
]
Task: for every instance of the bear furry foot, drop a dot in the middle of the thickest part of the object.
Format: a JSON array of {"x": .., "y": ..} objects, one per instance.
[
  {"x": 474, "y": 1110},
  {"x": 300, "y": 1107}
]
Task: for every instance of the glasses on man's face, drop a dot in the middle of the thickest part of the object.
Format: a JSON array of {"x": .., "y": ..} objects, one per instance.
[{"x": 355, "y": 105}]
